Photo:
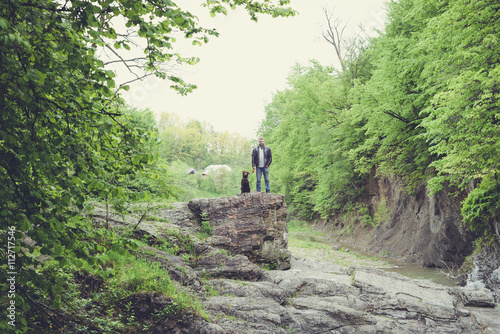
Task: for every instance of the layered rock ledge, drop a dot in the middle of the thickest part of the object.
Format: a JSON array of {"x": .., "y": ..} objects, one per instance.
[
  {"x": 249, "y": 232},
  {"x": 253, "y": 225}
]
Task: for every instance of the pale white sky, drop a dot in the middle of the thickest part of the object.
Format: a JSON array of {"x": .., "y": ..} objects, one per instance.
[{"x": 241, "y": 69}]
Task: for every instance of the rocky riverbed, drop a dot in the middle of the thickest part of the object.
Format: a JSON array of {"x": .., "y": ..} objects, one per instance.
[
  {"x": 319, "y": 297},
  {"x": 303, "y": 294}
]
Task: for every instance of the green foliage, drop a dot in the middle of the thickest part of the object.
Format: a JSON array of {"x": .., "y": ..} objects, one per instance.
[
  {"x": 420, "y": 101},
  {"x": 425, "y": 109},
  {"x": 482, "y": 207},
  {"x": 298, "y": 226},
  {"x": 462, "y": 126},
  {"x": 64, "y": 132},
  {"x": 382, "y": 214},
  {"x": 390, "y": 105},
  {"x": 89, "y": 297},
  {"x": 270, "y": 266},
  {"x": 226, "y": 183},
  {"x": 96, "y": 293},
  {"x": 183, "y": 142},
  {"x": 303, "y": 126},
  {"x": 254, "y": 8},
  {"x": 146, "y": 184},
  {"x": 198, "y": 145},
  {"x": 193, "y": 146},
  {"x": 206, "y": 228}
]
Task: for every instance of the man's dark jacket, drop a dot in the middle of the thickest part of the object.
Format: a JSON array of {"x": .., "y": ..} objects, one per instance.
[{"x": 268, "y": 157}]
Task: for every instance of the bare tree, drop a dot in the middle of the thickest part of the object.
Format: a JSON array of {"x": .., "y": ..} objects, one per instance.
[
  {"x": 351, "y": 52},
  {"x": 334, "y": 35}
]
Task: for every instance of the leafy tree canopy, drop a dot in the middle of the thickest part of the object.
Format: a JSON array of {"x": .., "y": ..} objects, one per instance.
[
  {"x": 425, "y": 109},
  {"x": 64, "y": 132}
]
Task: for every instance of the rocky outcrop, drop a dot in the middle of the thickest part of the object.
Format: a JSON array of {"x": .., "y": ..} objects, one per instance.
[
  {"x": 419, "y": 227},
  {"x": 253, "y": 225},
  {"x": 314, "y": 297},
  {"x": 324, "y": 298},
  {"x": 484, "y": 270},
  {"x": 310, "y": 297}
]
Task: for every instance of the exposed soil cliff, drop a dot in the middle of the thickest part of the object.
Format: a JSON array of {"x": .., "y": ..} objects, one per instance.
[{"x": 420, "y": 228}]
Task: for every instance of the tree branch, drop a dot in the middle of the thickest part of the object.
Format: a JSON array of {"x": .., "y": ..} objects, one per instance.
[
  {"x": 393, "y": 114},
  {"x": 335, "y": 36}
]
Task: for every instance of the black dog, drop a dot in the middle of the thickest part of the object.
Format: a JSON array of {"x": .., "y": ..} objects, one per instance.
[{"x": 245, "y": 185}]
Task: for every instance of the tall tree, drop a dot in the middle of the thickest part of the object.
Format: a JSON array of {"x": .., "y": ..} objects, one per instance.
[
  {"x": 61, "y": 128},
  {"x": 302, "y": 126},
  {"x": 393, "y": 101},
  {"x": 463, "y": 123},
  {"x": 463, "y": 72}
]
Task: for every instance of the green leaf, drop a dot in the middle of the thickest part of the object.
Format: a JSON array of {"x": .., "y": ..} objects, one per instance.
[
  {"x": 36, "y": 252},
  {"x": 77, "y": 263},
  {"x": 24, "y": 225},
  {"x": 3, "y": 23},
  {"x": 110, "y": 74},
  {"x": 60, "y": 226},
  {"x": 63, "y": 262},
  {"x": 58, "y": 249},
  {"x": 133, "y": 244}
]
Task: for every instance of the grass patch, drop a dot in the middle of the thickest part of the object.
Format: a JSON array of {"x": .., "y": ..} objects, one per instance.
[
  {"x": 305, "y": 242},
  {"x": 129, "y": 274},
  {"x": 302, "y": 235},
  {"x": 92, "y": 296},
  {"x": 301, "y": 226}
]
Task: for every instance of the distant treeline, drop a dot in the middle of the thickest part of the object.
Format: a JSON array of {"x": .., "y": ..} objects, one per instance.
[
  {"x": 192, "y": 146},
  {"x": 199, "y": 145}
]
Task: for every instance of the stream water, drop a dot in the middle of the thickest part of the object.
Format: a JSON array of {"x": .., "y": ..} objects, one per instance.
[
  {"x": 416, "y": 271},
  {"x": 435, "y": 275}
]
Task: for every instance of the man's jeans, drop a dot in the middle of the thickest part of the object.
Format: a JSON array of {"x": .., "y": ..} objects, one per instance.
[{"x": 264, "y": 170}]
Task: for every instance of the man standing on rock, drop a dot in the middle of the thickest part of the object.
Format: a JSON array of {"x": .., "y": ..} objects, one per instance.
[{"x": 261, "y": 159}]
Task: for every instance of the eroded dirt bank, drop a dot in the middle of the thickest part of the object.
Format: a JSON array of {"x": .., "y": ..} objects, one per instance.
[{"x": 419, "y": 228}]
